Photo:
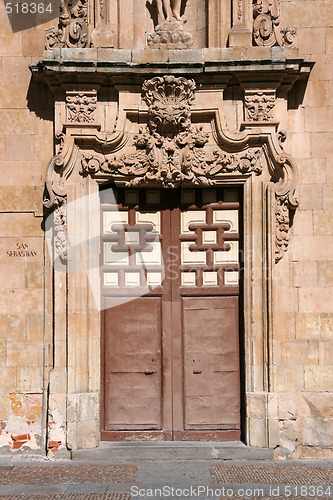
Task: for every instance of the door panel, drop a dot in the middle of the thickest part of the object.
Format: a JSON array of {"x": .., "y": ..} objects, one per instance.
[
  {"x": 170, "y": 267},
  {"x": 211, "y": 366},
  {"x": 133, "y": 367}
]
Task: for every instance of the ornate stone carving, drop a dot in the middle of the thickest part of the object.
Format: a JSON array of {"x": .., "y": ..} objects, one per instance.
[
  {"x": 72, "y": 30},
  {"x": 169, "y": 32},
  {"x": 171, "y": 164},
  {"x": 169, "y": 102},
  {"x": 282, "y": 220},
  {"x": 81, "y": 106},
  {"x": 60, "y": 231},
  {"x": 259, "y": 105},
  {"x": 266, "y": 25},
  {"x": 170, "y": 151}
]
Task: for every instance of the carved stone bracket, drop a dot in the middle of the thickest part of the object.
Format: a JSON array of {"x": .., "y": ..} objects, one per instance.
[
  {"x": 81, "y": 106},
  {"x": 266, "y": 25},
  {"x": 72, "y": 30},
  {"x": 258, "y": 105}
]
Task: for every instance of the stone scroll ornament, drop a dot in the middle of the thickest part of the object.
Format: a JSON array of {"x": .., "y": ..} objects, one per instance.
[
  {"x": 266, "y": 25},
  {"x": 169, "y": 32},
  {"x": 72, "y": 30}
]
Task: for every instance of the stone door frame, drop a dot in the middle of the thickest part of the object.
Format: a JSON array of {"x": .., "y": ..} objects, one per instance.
[{"x": 86, "y": 158}]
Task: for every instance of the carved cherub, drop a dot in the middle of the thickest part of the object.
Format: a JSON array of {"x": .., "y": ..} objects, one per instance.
[{"x": 171, "y": 8}]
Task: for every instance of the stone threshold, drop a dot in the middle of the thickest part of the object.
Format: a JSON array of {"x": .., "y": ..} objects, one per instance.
[{"x": 173, "y": 450}]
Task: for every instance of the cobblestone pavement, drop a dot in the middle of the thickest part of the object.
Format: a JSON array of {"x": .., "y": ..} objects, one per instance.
[
  {"x": 70, "y": 473},
  {"x": 204, "y": 480},
  {"x": 274, "y": 474}
]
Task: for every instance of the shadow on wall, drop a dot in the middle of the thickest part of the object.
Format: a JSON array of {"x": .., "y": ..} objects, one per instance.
[
  {"x": 40, "y": 100},
  {"x": 296, "y": 94}
]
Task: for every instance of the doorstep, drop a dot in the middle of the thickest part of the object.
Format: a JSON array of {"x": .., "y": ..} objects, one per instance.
[{"x": 173, "y": 450}]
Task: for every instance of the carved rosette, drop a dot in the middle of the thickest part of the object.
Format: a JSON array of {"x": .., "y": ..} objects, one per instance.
[
  {"x": 72, "y": 30},
  {"x": 81, "y": 106},
  {"x": 266, "y": 25},
  {"x": 258, "y": 105}
]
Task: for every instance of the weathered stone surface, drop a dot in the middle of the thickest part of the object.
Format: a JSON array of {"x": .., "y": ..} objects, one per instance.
[
  {"x": 318, "y": 378},
  {"x": 318, "y": 432}
]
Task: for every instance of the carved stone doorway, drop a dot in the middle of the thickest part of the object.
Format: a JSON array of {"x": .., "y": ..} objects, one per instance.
[{"x": 170, "y": 330}]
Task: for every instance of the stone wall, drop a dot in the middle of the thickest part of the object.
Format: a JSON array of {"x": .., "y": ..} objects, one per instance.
[
  {"x": 26, "y": 144},
  {"x": 303, "y": 326}
]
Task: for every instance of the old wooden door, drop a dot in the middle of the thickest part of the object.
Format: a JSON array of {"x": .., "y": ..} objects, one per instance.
[{"x": 170, "y": 291}]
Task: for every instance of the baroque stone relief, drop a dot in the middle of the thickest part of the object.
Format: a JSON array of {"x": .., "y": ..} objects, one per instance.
[
  {"x": 81, "y": 106},
  {"x": 266, "y": 25},
  {"x": 73, "y": 29},
  {"x": 258, "y": 105},
  {"x": 170, "y": 152},
  {"x": 169, "y": 32}
]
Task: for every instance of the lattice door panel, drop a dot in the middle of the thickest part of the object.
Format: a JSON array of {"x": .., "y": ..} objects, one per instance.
[{"x": 170, "y": 284}]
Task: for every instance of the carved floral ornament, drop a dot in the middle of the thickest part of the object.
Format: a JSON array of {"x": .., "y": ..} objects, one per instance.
[{"x": 171, "y": 152}]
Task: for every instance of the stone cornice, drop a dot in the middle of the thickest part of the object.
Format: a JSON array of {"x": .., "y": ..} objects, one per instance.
[{"x": 246, "y": 64}]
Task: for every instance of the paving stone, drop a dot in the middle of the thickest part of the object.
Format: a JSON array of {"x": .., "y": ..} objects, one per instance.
[
  {"x": 85, "y": 496},
  {"x": 69, "y": 474},
  {"x": 88, "y": 488},
  {"x": 274, "y": 474}
]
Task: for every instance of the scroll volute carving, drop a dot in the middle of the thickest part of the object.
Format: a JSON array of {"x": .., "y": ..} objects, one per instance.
[
  {"x": 267, "y": 31},
  {"x": 73, "y": 29}
]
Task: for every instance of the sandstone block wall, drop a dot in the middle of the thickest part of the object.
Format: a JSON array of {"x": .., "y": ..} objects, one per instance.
[
  {"x": 303, "y": 326},
  {"x": 26, "y": 144}
]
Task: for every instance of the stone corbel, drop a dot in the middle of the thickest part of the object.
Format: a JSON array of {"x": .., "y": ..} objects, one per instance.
[
  {"x": 81, "y": 108},
  {"x": 259, "y": 104}
]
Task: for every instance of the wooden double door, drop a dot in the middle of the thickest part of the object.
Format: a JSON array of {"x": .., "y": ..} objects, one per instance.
[{"x": 170, "y": 292}]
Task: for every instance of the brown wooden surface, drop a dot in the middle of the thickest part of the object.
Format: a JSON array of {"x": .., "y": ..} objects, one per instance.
[{"x": 171, "y": 358}]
